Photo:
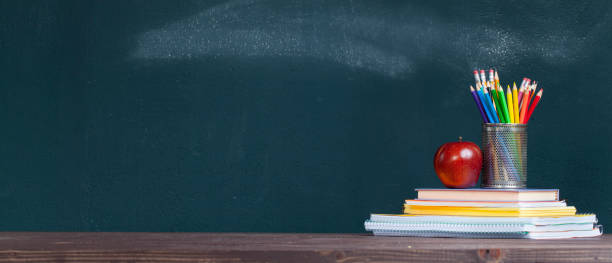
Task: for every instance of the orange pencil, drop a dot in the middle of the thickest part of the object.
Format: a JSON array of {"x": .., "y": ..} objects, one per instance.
[
  {"x": 525, "y": 105},
  {"x": 534, "y": 104},
  {"x": 496, "y": 79},
  {"x": 533, "y": 89},
  {"x": 523, "y": 99}
]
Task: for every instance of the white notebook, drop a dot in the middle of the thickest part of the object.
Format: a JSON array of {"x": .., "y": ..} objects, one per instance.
[
  {"x": 457, "y": 227},
  {"x": 406, "y": 218},
  {"x": 566, "y": 234},
  {"x": 482, "y": 194},
  {"x": 581, "y": 225},
  {"x": 595, "y": 232}
]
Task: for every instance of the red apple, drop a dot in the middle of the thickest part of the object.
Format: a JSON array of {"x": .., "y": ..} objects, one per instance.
[{"x": 458, "y": 164}]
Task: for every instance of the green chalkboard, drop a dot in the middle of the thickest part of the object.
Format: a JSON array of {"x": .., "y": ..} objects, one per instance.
[{"x": 280, "y": 116}]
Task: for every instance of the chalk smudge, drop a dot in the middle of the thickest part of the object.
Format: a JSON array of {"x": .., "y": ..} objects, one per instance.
[{"x": 388, "y": 43}]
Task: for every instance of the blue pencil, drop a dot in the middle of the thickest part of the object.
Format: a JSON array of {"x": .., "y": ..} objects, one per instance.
[
  {"x": 484, "y": 105},
  {"x": 489, "y": 103}
]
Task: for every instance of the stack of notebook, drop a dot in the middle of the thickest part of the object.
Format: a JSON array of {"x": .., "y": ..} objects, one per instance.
[{"x": 486, "y": 213}]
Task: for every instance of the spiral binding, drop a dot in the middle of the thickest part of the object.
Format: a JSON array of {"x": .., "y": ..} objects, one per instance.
[
  {"x": 584, "y": 218},
  {"x": 484, "y": 228},
  {"x": 476, "y": 227},
  {"x": 435, "y": 233}
]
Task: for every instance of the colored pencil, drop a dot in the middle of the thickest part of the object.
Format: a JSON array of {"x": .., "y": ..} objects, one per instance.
[
  {"x": 501, "y": 97},
  {"x": 503, "y": 104},
  {"x": 524, "y": 106},
  {"x": 510, "y": 105},
  {"x": 536, "y": 100},
  {"x": 532, "y": 93},
  {"x": 498, "y": 105},
  {"x": 529, "y": 90},
  {"x": 491, "y": 95},
  {"x": 527, "y": 81},
  {"x": 487, "y": 98},
  {"x": 522, "y": 83},
  {"x": 477, "y": 100},
  {"x": 520, "y": 96},
  {"x": 492, "y": 99},
  {"x": 483, "y": 80},
  {"x": 522, "y": 90},
  {"x": 515, "y": 103},
  {"x": 492, "y": 77},
  {"x": 496, "y": 79},
  {"x": 485, "y": 106}
]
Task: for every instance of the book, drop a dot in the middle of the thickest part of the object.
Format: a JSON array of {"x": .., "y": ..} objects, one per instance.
[
  {"x": 487, "y": 203},
  {"x": 489, "y": 211},
  {"x": 581, "y": 225},
  {"x": 595, "y": 232},
  {"x": 405, "y": 218},
  {"x": 489, "y": 227},
  {"x": 481, "y": 194}
]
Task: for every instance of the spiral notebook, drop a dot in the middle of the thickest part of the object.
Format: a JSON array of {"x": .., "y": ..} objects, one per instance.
[
  {"x": 582, "y": 225},
  {"x": 595, "y": 232},
  {"x": 462, "y": 227},
  {"x": 406, "y": 218}
]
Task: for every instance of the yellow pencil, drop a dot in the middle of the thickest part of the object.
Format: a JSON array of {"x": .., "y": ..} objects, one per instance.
[
  {"x": 510, "y": 104},
  {"x": 516, "y": 106}
]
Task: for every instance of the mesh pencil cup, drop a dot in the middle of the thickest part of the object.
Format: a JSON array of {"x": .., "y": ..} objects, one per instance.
[{"x": 504, "y": 148}]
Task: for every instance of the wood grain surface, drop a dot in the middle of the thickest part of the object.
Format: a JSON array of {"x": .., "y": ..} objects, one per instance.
[{"x": 255, "y": 247}]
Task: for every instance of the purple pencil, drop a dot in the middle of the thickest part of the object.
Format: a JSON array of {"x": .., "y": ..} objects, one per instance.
[{"x": 479, "y": 104}]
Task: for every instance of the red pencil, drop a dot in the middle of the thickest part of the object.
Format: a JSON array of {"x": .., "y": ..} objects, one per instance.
[
  {"x": 534, "y": 104},
  {"x": 524, "y": 106}
]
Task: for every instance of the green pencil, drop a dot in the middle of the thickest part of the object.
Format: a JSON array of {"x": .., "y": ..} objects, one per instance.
[
  {"x": 504, "y": 105},
  {"x": 495, "y": 96}
]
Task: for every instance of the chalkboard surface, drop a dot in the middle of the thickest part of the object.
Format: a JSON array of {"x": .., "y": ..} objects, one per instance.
[{"x": 280, "y": 116}]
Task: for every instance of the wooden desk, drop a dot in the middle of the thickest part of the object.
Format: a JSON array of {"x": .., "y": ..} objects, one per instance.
[{"x": 241, "y": 247}]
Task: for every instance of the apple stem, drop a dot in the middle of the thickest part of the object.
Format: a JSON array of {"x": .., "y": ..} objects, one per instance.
[{"x": 460, "y": 138}]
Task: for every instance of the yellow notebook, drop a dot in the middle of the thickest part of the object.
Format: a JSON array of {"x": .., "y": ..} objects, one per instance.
[{"x": 490, "y": 211}]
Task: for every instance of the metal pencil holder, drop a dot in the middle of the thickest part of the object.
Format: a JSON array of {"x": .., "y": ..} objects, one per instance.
[{"x": 504, "y": 155}]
